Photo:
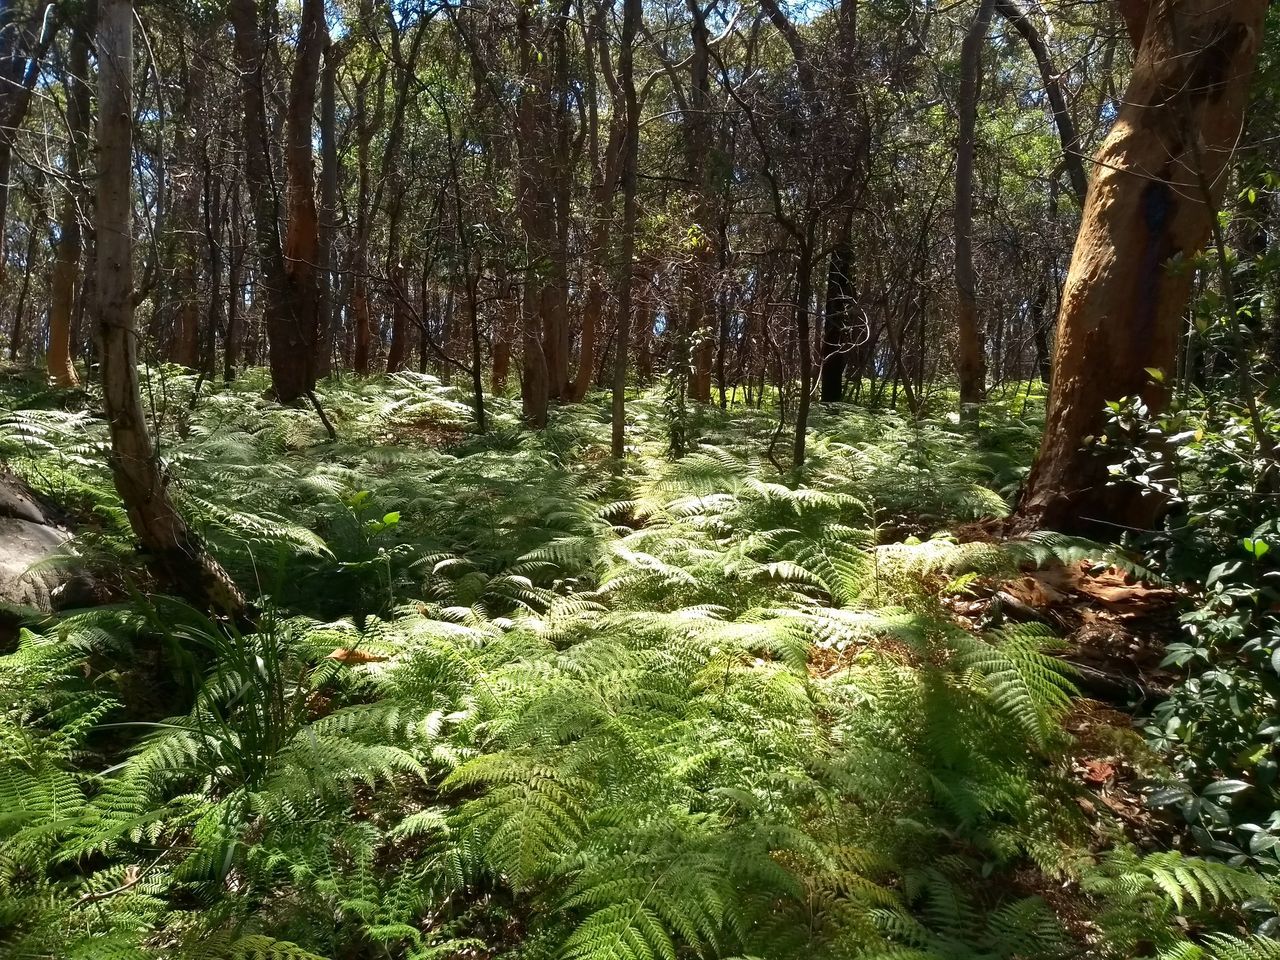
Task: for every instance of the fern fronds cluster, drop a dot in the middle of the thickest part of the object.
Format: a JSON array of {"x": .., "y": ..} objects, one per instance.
[{"x": 499, "y": 703}]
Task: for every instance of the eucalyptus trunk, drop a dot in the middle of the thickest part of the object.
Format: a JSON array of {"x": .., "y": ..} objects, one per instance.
[{"x": 1157, "y": 183}]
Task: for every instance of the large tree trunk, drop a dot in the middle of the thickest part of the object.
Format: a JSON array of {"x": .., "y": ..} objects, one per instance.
[
  {"x": 66, "y": 266},
  {"x": 1121, "y": 304},
  {"x": 174, "y": 551}
]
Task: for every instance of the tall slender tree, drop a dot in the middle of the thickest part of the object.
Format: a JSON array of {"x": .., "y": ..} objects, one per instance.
[
  {"x": 286, "y": 267},
  {"x": 173, "y": 550},
  {"x": 66, "y": 266},
  {"x": 631, "y": 15},
  {"x": 971, "y": 361}
]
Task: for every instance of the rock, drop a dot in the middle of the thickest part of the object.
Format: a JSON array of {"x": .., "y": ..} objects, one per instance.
[
  {"x": 18, "y": 501},
  {"x": 31, "y": 530},
  {"x": 22, "y": 544}
]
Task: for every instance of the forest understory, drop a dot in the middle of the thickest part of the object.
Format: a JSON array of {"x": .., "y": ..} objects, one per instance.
[
  {"x": 498, "y": 695},
  {"x": 639, "y": 480}
]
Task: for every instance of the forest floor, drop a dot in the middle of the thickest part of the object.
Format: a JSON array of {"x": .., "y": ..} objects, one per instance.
[{"x": 503, "y": 697}]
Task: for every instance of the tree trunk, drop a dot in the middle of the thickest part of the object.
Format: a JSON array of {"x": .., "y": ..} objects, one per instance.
[
  {"x": 1052, "y": 80},
  {"x": 1040, "y": 331},
  {"x": 360, "y": 317},
  {"x": 302, "y": 237},
  {"x": 290, "y": 328},
  {"x": 183, "y": 299},
  {"x": 804, "y": 351},
  {"x": 630, "y": 148},
  {"x": 399, "y": 348},
  {"x": 216, "y": 210},
  {"x": 604, "y": 166},
  {"x": 835, "y": 320},
  {"x": 972, "y": 365},
  {"x": 537, "y": 218},
  {"x": 231, "y": 347},
  {"x": 20, "y": 310},
  {"x": 22, "y": 50},
  {"x": 328, "y": 209},
  {"x": 700, "y": 332},
  {"x": 1121, "y": 304},
  {"x": 644, "y": 339},
  {"x": 505, "y": 322},
  {"x": 174, "y": 551},
  {"x": 66, "y": 265}
]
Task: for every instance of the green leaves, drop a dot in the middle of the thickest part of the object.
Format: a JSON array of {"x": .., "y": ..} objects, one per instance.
[
  {"x": 530, "y": 816},
  {"x": 1255, "y": 547},
  {"x": 1031, "y": 688}
]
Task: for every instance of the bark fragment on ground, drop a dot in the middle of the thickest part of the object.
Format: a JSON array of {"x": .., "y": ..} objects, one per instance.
[{"x": 1114, "y": 626}]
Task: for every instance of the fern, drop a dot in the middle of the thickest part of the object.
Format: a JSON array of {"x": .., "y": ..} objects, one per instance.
[{"x": 499, "y": 704}]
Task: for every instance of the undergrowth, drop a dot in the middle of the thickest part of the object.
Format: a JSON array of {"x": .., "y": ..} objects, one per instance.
[{"x": 503, "y": 700}]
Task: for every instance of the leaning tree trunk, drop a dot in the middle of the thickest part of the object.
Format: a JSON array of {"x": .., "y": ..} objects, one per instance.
[
  {"x": 1121, "y": 304},
  {"x": 1054, "y": 89},
  {"x": 174, "y": 551}
]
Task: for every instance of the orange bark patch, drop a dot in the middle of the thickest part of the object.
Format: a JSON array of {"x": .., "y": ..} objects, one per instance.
[{"x": 353, "y": 656}]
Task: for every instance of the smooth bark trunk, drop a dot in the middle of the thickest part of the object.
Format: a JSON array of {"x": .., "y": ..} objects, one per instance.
[
  {"x": 173, "y": 550},
  {"x": 1122, "y": 303}
]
